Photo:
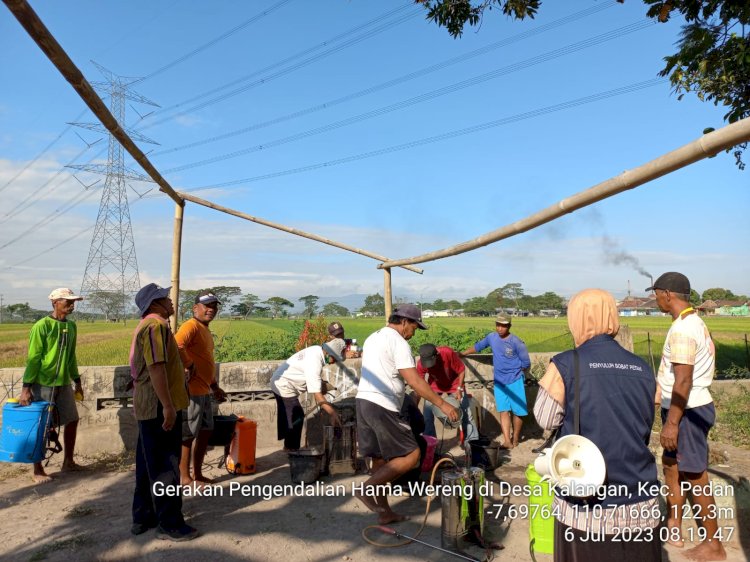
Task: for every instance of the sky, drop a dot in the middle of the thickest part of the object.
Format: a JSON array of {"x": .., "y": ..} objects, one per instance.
[{"x": 362, "y": 122}]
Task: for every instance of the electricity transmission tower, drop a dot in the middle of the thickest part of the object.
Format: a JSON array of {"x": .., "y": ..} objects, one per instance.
[{"x": 111, "y": 277}]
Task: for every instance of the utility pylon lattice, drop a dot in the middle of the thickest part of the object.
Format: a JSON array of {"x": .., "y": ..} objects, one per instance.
[{"x": 111, "y": 277}]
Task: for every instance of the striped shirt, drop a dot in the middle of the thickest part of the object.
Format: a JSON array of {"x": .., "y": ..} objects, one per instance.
[
  {"x": 607, "y": 520},
  {"x": 153, "y": 344}
]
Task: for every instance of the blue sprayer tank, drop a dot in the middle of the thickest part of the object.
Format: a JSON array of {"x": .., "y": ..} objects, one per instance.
[{"x": 24, "y": 432}]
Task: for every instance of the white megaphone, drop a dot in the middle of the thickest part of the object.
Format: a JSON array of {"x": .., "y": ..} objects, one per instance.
[{"x": 573, "y": 464}]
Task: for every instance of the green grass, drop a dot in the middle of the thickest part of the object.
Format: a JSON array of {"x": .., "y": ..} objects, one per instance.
[{"x": 263, "y": 338}]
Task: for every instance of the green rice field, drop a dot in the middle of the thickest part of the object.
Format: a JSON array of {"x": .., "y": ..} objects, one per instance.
[{"x": 101, "y": 343}]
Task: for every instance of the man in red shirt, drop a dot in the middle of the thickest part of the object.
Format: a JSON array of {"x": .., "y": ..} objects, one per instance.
[{"x": 443, "y": 369}]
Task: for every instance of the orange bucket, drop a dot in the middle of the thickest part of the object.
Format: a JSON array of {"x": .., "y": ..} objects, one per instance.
[{"x": 241, "y": 458}]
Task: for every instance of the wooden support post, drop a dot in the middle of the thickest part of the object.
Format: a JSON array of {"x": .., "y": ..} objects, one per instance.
[
  {"x": 387, "y": 294},
  {"x": 174, "y": 294}
]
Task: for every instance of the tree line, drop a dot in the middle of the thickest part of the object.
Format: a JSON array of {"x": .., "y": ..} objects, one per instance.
[{"x": 510, "y": 298}]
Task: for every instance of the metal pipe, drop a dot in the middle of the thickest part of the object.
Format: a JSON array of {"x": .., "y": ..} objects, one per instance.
[
  {"x": 706, "y": 146},
  {"x": 395, "y": 533}
]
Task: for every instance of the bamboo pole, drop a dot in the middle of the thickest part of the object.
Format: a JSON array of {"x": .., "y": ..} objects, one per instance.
[
  {"x": 704, "y": 147},
  {"x": 30, "y": 21},
  {"x": 174, "y": 294},
  {"x": 387, "y": 293},
  {"x": 295, "y": 231}
]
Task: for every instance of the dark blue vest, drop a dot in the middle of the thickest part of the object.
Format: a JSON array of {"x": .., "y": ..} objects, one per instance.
[{"x": 617, "y": 413}]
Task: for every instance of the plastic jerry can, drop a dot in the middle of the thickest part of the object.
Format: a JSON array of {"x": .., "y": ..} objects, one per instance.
[
  {"x": 24, "y": 431},
  {"x": 241, "y": 458}
]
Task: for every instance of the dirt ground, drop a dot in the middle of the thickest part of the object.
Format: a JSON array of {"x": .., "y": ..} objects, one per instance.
[{"x": 86, "y": 516}]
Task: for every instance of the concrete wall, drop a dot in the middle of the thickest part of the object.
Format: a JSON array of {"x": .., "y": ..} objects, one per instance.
[{"x": 107, "y": 421}]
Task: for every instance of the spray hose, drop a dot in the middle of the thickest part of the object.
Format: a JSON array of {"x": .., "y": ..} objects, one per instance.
[{"x": 381, "y": 528}]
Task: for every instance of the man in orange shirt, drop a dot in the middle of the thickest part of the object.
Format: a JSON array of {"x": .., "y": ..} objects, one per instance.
[{"x": 196, "y": 345}]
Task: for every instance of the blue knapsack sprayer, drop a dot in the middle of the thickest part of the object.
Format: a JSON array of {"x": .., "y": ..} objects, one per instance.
[
  {"x": 26, "y": 430},
  {"x": 28, "y": 433}
]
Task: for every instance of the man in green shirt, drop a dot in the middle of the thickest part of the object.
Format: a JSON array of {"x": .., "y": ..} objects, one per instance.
[{"x": 50, "y": 368}]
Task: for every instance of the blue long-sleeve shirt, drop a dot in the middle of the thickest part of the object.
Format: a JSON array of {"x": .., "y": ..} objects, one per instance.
[{"x": 509, "y": 356}]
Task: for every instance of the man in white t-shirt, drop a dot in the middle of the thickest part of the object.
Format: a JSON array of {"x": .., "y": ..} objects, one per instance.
[
  {"x": 298, "y": 374},
  {"x": 383, "y": 435},
  {"x": 687, "y": 411}
]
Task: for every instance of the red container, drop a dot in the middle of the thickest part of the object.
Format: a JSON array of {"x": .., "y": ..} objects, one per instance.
[
  {"x": 429, "y": 455},
  {"x": 241, "y": 459}
]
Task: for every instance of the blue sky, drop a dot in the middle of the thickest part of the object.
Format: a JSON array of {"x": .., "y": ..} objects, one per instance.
[{"x": 403, "y": 202}]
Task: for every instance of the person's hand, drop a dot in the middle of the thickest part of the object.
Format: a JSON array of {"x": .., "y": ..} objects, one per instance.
[
  {"x": 25, "y": 398},
  {"x": 335, "y": 419},
  {"x": 170, "y": 415},
  {"x": 450, "y": 411},
  {"x": 79, "y": 389},
  {"x": 458, "y": 395},
  {"x": 189, "y": 372},
  {"x": 219, "y": 394},
  {"x": 668, "y": 437}
]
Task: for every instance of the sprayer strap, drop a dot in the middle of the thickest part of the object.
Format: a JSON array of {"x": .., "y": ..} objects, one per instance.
[{"x": 577, "y": 412}]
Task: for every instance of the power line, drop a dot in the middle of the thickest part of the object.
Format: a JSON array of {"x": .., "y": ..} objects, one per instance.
[
  {"x": 401, "y": 79},
  {"x": 380, "y": 18},
  {"x": 149, "y": 76},
  {"x": 522, "y": 65},
  {"x": 444, "y": 136},
  {"x": 214, "y": 41},
  {"x": 57, "y": 213},
  {"x": 396, "y": 148},
  {"x": 31, "y": 258},
  {"x": 31, "y": 197},
  {"x": 284, "y": 71},
  {"x": 43, "y": 152}
]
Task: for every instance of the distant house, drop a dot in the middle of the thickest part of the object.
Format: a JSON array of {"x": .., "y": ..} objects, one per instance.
[
  {"x": 707, "y": 308},
  {"x": 724, "y": 308},
  {"x": 549, "y": 312},
  {"x": 437, "y": 313},
  {"x": 638, "y": 306},
  {"x": 732, "y": 308},
  {"x": 513, "y": 311}
]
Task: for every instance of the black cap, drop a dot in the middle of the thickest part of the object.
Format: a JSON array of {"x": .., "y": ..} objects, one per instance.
[
  {"x": 412, "y": 312},
  {"x": 428, "y": 355},
  {"x": 672, "y": 281},
  {"x": 206, "y": 297}
]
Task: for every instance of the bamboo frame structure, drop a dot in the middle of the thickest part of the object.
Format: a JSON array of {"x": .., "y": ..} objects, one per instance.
[
  {"x": 174, "y": 294},
  {"x": 706, "y": 146},
  {"x": 387, "y": 293},
  {"x": 36, "y": 29},
  {"x": 296, "y": 231}
]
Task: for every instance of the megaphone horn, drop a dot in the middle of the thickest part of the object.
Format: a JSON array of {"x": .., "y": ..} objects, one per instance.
[{"x": 573, "y": 463}]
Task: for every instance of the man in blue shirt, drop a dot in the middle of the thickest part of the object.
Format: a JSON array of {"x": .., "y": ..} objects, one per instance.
[{"x": 510, "y": 359}]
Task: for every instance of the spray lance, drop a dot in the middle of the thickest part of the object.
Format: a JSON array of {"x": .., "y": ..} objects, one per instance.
[{"x": 395, "y": 533}]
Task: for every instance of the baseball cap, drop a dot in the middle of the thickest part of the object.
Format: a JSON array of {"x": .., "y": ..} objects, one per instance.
[
  {"x": 412, "y": 312},
  {"x": 64, "y": 293},
  {"x": 336, "y": 345},
  {"x": 672, "y": 281},
  {"x": 206, "y": 297},
  {"x": 428, "y": 355},
  {"x": 336, "y": 329},
  {"x": 500, "y": 319},
  {"x": 148, "y": 294}
]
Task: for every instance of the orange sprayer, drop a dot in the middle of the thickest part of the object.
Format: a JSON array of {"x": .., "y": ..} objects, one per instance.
[{"x": 241, "y": 459}]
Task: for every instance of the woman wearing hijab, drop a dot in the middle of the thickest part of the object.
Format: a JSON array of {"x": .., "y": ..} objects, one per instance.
[{"x": 617, "y": 388}]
